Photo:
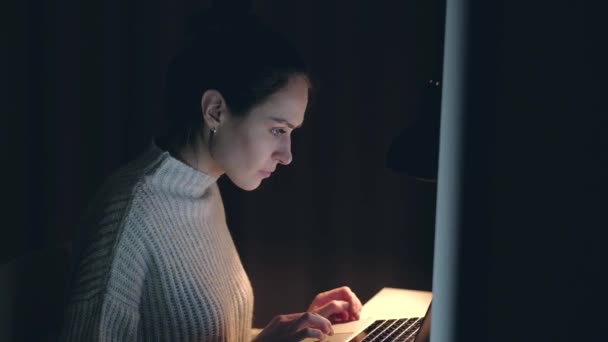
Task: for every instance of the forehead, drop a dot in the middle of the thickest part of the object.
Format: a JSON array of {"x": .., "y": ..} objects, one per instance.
[{"x": 288, "y": 104}]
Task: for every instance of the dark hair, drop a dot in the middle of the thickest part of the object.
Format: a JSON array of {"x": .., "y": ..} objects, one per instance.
[{"x": 234, "y": 54}]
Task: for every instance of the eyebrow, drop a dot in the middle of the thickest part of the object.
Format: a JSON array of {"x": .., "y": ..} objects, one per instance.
[{"x": 283, "y": 121}]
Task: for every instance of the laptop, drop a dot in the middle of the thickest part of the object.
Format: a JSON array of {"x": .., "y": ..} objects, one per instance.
[
  {"x": 413, "y": 329},
  {"x": 382, "y": 325}
]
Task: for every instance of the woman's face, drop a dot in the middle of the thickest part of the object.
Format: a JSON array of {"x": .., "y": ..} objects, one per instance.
[{"x": 248, "y": 149}]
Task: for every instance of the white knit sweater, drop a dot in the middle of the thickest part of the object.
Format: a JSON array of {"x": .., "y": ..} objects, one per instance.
[{"x": 157, "y": 262}]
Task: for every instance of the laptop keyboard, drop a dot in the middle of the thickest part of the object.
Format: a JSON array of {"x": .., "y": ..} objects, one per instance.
[{"x": 393, "y": 330}]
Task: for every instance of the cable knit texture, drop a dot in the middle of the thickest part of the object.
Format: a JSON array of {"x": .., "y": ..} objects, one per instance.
[{"x": 156, "y": 261}]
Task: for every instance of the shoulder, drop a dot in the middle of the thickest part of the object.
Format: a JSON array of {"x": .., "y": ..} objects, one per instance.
[{"x": 108, "y": 236}]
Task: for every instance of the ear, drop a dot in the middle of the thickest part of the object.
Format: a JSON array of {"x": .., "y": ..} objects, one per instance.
[{"x": 213, "y": 107}]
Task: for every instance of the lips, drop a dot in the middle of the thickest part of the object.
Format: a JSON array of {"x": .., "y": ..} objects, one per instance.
[{"x": 266, "y": 174}]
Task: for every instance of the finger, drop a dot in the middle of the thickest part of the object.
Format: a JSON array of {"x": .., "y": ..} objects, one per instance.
[
  {"x": 324, "y": 297},
  {"x": 355, "y": 303},
  {"x": 342, "y": 293},
  {"x": 345, "y": 293},
  {"x": 283, "y": 319},
  {"x": 312, "y": 320},
  {"x": 356, "y": 306},
  {"x": 309, "y": 333},
  {"x": 333, "y": 307},
  {"x": 340, "y": 317},
  {"x": 292, "y": 316}
]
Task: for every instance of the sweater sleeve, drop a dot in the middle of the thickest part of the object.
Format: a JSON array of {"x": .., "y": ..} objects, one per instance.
[
  {"x": 107, "y": 289},
  {"x": 102, "y": 318}
]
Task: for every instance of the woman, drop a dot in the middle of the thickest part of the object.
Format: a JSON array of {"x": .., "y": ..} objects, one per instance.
[{"x": 156, "y": 260}]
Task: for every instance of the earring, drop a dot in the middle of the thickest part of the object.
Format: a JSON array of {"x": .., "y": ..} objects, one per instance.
[{"x": 211, "y": 135}]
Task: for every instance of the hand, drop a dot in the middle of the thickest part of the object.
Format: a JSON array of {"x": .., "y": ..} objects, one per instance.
[
  {"x": 295, "y": 327},
  {"x": 337, "y": 305}
]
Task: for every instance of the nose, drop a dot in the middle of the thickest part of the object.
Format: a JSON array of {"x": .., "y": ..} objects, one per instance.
[{"x": 283, "y": 153}]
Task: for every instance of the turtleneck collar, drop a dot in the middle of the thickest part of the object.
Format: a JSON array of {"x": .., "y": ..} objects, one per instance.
[{"x": 176, "y": 176}]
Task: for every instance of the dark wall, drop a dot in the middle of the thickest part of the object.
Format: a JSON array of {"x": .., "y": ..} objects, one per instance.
[{"x": 85, "y": 85}]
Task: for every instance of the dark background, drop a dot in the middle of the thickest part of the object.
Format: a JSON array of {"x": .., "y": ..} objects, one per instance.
[{"x": 84, "y": 85}]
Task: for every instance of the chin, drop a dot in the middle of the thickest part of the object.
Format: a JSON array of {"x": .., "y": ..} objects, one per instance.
[
  {"x": 250, "y": 187},
  {"x": 246, "y": 184}
]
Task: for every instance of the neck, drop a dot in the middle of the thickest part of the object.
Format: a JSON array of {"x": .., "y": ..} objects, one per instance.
[{"x": 197, "y": 155}]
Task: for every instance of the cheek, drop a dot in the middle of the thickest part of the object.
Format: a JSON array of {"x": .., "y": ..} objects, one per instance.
[{"x": 250, "y": 153}]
